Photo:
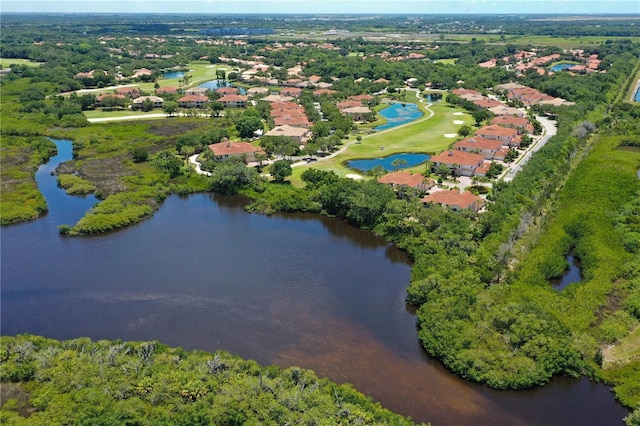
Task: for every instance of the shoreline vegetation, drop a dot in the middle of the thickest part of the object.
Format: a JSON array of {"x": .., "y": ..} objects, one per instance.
[
  {"x": 480, "y": 282},
  {"x": 148, "y": 383}
]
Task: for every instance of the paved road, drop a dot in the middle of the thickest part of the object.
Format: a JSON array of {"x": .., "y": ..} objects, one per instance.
[{"x": 549, "y": 131}]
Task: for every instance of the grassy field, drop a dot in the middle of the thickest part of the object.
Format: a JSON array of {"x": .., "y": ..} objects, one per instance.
[
  {"x": 626, "y": 350},
  {"x": 200, "y": 72},
  {"x": 426, "y": 135},
  {"x": 7, "y": 62}
]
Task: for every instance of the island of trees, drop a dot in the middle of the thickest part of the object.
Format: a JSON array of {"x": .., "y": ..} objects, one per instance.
[{"x": 480, "y": 280}]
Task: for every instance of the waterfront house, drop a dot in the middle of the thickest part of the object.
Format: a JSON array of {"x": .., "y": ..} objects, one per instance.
[
  {"x": 157, "y": 101},
  {"x": 459, "y": 162},
  {"x": 226, "y": 150},
  {"x": 299, "y": 134},
  {"x": 193, "y": 101},
  {"x": 403, "y": 179},
  {"x": 479, "y": 145},
  {"x": 455, "y": 200},
  {"x": 234, "y": 101}
]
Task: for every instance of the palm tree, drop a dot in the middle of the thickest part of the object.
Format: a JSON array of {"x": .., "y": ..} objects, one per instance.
[{"x": 398, "y": 162}]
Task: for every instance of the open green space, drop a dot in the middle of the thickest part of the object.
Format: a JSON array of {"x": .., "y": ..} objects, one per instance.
[
  {"x": 7, "y": 62},
  {"x": 426, "y": 135},
  {"x": 627, "y": 349}
]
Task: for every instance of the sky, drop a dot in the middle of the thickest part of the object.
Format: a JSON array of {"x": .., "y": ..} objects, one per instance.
[{"x": 328, "y": 6}]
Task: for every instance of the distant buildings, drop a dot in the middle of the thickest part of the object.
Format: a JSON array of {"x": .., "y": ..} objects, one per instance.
[{"x": 235, "y": 31}]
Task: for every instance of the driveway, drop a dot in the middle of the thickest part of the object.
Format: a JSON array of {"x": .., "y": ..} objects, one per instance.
[{"x": 549, "y": 130}]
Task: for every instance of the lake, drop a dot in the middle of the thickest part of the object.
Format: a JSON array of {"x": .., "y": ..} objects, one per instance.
[
  {"x": 561, "y": 67},
  {"x": 294, "y": 289},
  {"x": 398, "y": 114},
  {"x": 637, "y": 96},
  {"x": 173, "y": 74},
  {"x": 214, "y": 84},
  {"x": 387, "y": 162}
]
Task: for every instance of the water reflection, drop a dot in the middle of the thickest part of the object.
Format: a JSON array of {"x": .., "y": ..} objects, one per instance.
[{"x": 288, "y": 289}]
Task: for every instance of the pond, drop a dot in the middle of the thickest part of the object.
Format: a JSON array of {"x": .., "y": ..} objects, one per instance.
[
  {"x": 173, "y": 74},
  {"x": 387, "y": 163},
  {"x": 571, "y": 274},
  {"x": 637, "y": 96},
  {"x": 398, "y": 114},
  {"x": 214, "y": 84},
  {"x": 290, "y": 289},
  {"x": 561, "y": 67}
]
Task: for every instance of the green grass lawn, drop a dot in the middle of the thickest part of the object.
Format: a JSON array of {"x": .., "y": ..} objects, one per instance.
[
  {"x": 99, "y": 113},
  {"x": 7, "y": 62},
  {"x": 626, "y": 350},
  {"x": 450, "y": 61},
  {"x": 426, "y": 135}
]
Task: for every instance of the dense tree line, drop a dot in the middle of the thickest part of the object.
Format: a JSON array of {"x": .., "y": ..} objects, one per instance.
[{"x": 49, "y": 382}]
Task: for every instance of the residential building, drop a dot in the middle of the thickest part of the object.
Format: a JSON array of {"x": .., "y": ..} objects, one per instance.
[
  {"x": 520, "y": 123},
  {"x": 479, "y": 145},
  {"x": 507, "y": 136},
  {"x": 224, "y": 91},
  {"x": 100, "y": 98},
  {"x": 193, "y": 101},
  {"x": 157, "y": 101},
  {"x": 358, "y": 113},
  {"x": 459, "y": 162},
  {"x": 299, "y": 134},
  {"x": 455, "y": 200},
  {"x": 294, "y": 92},
  {"x": 403, "y": 179},
  {"x": 196, "y": 91},
  {"x": 226, "y": 150},
  {"x": 234, "y": 101},
  {"x": 132, "y": 92}
]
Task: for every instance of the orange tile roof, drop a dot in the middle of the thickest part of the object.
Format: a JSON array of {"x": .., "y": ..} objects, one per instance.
[
  {"x": 458, "y": 157},
  {"x": 228, "y": 90},
  {"x": 494, "y": 130},
  {"x": 233, "y": 98},
  {"x": 402, "y": 178},
  {"x": 478, "y": 142},
  {"x": 193, "y": 98},
  {"x": 464, "y": 199},
  {"x": 233, "y": 148}
]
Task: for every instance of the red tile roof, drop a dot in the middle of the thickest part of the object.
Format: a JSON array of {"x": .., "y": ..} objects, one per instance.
[
  {"x": 498, "y": 131},
  {"x": 233, "y": 98},
  {"x": 228, "y": 90},
  {"x": 233, "y": 148},
  {"x": 463, "y": 200},
  {"x": 512, "y": 121},
  {"x": 458, "y": 157},
  {"x": 402, "y": 178},
  {"x": 193, "y": 98},
  {"x": 478, "y": 142}
]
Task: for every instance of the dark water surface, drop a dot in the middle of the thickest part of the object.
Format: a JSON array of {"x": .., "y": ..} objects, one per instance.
[
  {"x": 288, "y": 290},
  {"x": 571, "y": 274},
  {"x": 410, "y": 159}
]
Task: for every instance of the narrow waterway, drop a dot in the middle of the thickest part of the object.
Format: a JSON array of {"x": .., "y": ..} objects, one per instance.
[{"x": 288, "y": 290}]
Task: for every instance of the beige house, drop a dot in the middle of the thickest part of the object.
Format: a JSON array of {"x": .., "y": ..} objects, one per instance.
[
  {"x": 234, "y": 101},
  {"x": 299, "y": 134},
  {"x": 358, "y": 113},
  {"x": 459, "y": 162},
  {"x": 403, "y": 179},
  {"x": 455, "y": 200},
  {"x": 226, "y": 150},
  {"x": 158, "y": 102},
  {"x": 193, "y": 101}
]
